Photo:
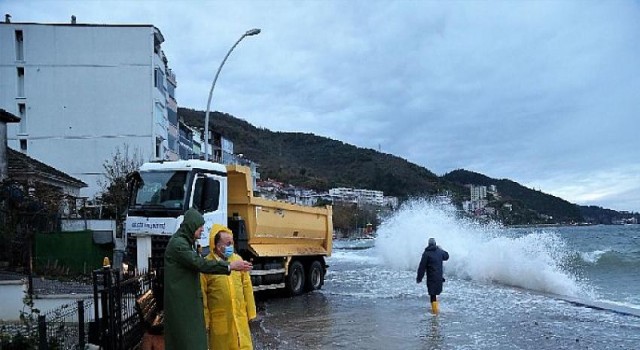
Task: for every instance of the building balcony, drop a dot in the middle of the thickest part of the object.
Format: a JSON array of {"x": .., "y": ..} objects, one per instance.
[{"x": 171, "y": 77}]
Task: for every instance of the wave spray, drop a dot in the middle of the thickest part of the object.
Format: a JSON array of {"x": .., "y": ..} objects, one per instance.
[{"x": 531, "y": 260}]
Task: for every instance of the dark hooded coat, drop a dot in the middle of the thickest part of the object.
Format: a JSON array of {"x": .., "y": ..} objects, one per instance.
[
  {"x": 431, "y": 263},
  {"x": 183, "y": 316}
]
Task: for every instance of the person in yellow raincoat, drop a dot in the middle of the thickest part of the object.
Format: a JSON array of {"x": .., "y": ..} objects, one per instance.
[{"x": 228, "y": 300}]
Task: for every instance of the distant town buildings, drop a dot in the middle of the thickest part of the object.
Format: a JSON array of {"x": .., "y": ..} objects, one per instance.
[
  {"x": 479, "y": 199},
  {"x": 627, "y": 218},
  {"x": 357, "y": 195},
  {"x": 363, "y": 197},
  {"x": 478, "y": 202},
  {"x": 391, "y": 202},
  {"x": 478, "y": 192},
  {"x": 277, "y": 190}
]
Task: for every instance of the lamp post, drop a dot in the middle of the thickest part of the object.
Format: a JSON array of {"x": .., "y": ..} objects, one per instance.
[{"x": 251, "y": 32}]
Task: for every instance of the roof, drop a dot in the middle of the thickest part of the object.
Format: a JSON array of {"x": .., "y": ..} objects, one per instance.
[
  {"x": 21, "y": 165},
  {"x": 67, "y": 24},
  {"x": 158, "y": 33},
  {"x": 8, "y": 117}
]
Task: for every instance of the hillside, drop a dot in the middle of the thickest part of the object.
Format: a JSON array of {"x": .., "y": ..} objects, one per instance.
[
  {"x": 321, "y": 163},
  {"x": 541, "y": 202}
]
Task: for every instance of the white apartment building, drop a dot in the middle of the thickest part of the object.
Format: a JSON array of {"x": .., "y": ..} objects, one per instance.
[
  {"x": 478, "y": 192},
  {"x": 343, "y": 194},
  {"x": 360, "y": 196},
  {"x": 370, "y": 197},
  {"x": 390, "y": 202},
  {"x": 472, "y": 206},
  {"x": 84, "y": 90}
]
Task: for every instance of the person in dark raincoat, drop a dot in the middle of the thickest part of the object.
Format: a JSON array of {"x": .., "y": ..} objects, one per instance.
[
  {"x": 431, "y": 263},
  {"x": 184, "y": 326}
]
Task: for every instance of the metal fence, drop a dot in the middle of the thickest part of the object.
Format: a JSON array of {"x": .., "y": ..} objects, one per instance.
[
  {"x": 65, "y": 327},
  {"x": 117, "y": 323},
  {"x": 110, "y": 319}
]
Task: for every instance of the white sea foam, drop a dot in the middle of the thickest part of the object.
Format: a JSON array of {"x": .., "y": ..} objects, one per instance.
[
  {"x": 594, "y": 256},
  {"x": 477, "y": 252},
  {"x": 352, "y": 257},
  {"x": 630, "y": 305}
]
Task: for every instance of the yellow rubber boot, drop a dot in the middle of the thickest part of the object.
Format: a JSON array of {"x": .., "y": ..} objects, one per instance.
[{"x": 434, "y": 307}]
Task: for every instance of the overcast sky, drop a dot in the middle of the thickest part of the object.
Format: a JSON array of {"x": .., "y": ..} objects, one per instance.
[{"x": 544, "y": 93}]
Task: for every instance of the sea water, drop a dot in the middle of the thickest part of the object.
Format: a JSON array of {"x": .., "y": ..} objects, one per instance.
[{"x": 506, "y": 289}]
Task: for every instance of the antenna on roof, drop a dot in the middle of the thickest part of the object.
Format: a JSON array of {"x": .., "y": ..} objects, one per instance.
[
  {"x": 73, "y": 19},
  {"x": 7, "y": 18}
]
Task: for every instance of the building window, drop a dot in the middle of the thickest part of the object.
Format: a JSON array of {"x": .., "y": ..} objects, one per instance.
[
  {"x": 22, "y": 113},
  {"x": 23, "y": 145},
  {"x": 173, "y": 143},
  {"x": 172, "y": 116},
  {"x": 158, "y": 80},
  {"x": 20, "y": 81},
  {"x": 171, "y": 89},
  {"x": 159, "y": 117},
  {"x": 158, "y": 148},
  {"x": 19, "y": 46}
]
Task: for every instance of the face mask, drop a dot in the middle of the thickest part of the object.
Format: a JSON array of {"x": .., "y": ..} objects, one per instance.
[{"x": 228, "y": 251}]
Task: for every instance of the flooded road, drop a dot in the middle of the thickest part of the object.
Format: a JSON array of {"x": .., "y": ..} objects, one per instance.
[
  {"x": 364, "y": 306},
  {"x": 370, "y": 299}
]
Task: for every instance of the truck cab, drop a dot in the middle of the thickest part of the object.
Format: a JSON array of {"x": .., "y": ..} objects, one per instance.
[{"x": 162, "y": 193}]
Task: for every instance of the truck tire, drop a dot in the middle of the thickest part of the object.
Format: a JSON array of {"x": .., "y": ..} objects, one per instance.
[
  {"x": 295, "y": 279},
  {"x": 315, "y": 276}
]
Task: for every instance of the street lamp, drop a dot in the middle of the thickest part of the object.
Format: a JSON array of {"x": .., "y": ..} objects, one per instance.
[{"x": 251, "y": 32}]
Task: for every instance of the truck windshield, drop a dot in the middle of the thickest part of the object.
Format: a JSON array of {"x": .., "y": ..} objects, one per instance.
[{"x": 161, "y": 190}]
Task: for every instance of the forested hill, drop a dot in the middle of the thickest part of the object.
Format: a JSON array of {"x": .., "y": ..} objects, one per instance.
[
  {"x": 319, "y": 162},
  {"x": 509, "y": 190}
]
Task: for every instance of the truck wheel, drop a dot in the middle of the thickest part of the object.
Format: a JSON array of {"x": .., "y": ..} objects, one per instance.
[
  {"x": 315, "y": 276},
  {"x": 295, "y": 279}
]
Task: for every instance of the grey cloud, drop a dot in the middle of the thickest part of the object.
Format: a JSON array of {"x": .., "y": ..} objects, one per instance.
[{"x": 544, "y": 93}]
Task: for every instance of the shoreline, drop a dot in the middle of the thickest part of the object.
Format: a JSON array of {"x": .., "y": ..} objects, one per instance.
[{"x": 553, "y": 225}]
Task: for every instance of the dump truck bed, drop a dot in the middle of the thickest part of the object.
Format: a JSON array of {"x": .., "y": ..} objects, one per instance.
[{"x": 277, "y": 228}]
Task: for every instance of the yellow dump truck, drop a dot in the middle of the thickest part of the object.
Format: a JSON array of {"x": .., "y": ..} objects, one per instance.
[{"x": 287, "y": 243}]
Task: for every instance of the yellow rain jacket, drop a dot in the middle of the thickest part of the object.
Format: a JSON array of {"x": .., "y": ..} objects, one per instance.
[{"x": 228, "y": 303}]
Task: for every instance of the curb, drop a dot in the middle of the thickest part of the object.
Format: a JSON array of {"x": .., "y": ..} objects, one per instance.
[
  {"x": 12, "y": 282},
  {"x": 63, "y": 296}
]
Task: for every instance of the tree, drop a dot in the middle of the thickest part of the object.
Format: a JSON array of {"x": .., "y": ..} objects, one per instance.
[
  {"x": 26, "y": 207},
  {"x": 115, "y": 194},
  {"x": 349, "y": 218},
  {"x": 344, "y": 216}
]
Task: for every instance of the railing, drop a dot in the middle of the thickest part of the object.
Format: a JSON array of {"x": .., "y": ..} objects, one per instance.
[
  {"x": 110, "y": 320},
  {"x": 65, "y": 327},
  {"x": 117, "y": 324}
]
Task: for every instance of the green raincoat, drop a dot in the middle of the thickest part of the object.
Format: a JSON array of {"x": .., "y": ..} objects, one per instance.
[{"x": 183, "y": 317}]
